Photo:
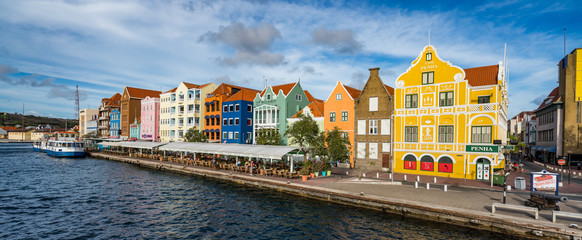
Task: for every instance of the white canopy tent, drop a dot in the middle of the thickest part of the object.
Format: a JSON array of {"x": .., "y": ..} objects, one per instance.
[{"x": 241, "y": 150}]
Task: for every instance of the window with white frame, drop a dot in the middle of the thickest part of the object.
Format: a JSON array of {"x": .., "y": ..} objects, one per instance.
[
  {"x": 373, "y": 104},
  {"x": 297, "y": 97},
  {"x": 338, "y": 96},
  {"x": 332, "y": 116},
  {"x": 373, "y": 127},
  {"x": 344, "y": 116},
  {"x": 385, "y": 127},
  {"x": 361, "y": 127},
  {"x": 481, "y": 134}
]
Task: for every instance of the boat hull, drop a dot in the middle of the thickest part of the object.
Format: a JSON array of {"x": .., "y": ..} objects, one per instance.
[{"x": 65, "y": 153}]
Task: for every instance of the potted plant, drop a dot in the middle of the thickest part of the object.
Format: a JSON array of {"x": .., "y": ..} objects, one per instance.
[
  {"x": 316, "y": 168},
  {"x": 304, "y": 173},
  {"x": 327, "y": 168}
]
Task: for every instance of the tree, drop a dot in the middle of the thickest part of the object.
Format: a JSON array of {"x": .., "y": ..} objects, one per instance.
[
  {"x": 194, "y": 135},
  {"x": 338, "y": 146},
  {"x": 268, "y": 136},
  {"x": 304, "y": 133}
]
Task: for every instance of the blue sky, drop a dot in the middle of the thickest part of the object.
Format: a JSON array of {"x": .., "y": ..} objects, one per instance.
[{"x": 48, "y": 47}]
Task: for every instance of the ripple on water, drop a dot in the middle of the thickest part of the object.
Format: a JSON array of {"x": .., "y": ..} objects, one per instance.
[{"x": 49, "y": 198}]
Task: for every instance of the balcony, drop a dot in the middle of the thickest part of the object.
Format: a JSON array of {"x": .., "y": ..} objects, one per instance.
[
  {"x": 488, "y": 107},
  {"x": 180, "y": 112}
]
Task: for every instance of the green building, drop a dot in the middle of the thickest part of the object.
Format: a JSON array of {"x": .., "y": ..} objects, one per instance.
[{"x": 275, "y": 104}]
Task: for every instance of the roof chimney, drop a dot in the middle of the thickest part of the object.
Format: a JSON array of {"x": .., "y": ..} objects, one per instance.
[{"x": 374, "y": 71}]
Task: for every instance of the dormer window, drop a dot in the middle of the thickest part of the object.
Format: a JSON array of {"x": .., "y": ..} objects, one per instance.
[
  {"x": 268, "y": 96},
  {"x": 429, "y": 56}
]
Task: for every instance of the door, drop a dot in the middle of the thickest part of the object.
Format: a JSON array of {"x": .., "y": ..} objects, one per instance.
[
  {"x": 483, "y": 169},
  {"x": 386, "y": 160}
]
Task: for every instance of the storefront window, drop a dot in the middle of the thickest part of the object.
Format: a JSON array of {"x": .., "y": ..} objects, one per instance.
[
  {"x": 446, "y": 165},
  {"x": 427, "y": 163},
  {"x": 410, "y": 162}
]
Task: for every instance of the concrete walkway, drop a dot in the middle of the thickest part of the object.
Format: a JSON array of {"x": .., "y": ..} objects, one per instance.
[{"x": 462, "y": 196}]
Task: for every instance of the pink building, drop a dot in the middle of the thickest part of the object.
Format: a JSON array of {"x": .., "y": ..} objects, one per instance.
[{"x": 150, "y": 119}]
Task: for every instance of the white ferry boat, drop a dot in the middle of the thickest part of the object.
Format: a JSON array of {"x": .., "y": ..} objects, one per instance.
[
  {"x": 40, "y": 145},
  {"x": 65, "y": 144}
]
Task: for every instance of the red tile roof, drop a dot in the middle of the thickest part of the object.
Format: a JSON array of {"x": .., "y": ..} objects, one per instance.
[
  {"x": 142, "y": 93},
  {"x": 553, "y": 97},
  {"x": 114, "y": 100},
  {"x": 390, "y": 89},
  {"x": 482, "y": 76},
  {"x": 354, "y": 93},
  {"x": 7, "y": 128},
  {"x": 316, "y": 109},
  {"x": 285, "y": 87},
  {"x": 245, "y": 94}
]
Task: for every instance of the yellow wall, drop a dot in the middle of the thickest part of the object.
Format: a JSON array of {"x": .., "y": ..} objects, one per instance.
[{"x": 429, "y": 115}]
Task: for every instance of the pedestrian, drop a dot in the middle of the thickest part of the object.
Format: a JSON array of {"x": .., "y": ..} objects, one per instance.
[
  {"x": 515, "y": 167},
  {"x": 520, "y": 167}
]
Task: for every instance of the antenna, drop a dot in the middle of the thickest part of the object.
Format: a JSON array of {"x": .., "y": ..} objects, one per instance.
[{"x": 76, "y": 102}]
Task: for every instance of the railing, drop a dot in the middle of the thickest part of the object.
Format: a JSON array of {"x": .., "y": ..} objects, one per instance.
[{"x": 488, "y": 107}]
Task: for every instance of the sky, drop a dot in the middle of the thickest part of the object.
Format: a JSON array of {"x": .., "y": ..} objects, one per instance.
[{"x": 49, "y": 47}]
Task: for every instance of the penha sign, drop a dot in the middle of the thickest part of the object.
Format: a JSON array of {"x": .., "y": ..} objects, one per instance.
[{"x": 481, "y": 148}]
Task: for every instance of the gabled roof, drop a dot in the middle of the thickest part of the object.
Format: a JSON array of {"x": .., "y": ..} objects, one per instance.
[
  {"x": 482, "y": 76},
  {"x": 8, "y": 128},
  {"x": 315, "y": 107},
  {"x": 245, "y": 94},
  {"x": 520, "y": 115},
  {"x": 389, "y": 89},
  {"x": 285, "y": 87},
  {"x": 354, "y": 93},
  {"x": 141, "y": 93},
  {"x": 114, "y": 100},
  {"x": 553, "y": 97},
  {"x": 310, "y": 98}
]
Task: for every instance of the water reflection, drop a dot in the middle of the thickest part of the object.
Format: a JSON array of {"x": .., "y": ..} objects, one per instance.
[{"x": 49, "y": 198}]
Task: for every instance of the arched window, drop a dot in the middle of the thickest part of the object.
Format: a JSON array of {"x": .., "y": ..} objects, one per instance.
[
  {"x": 427, "y": 163},
  {"x": 446, "y": 165},
  {"x": 410, "y": 162}
]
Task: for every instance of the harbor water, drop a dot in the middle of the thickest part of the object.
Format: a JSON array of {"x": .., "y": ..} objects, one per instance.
[{"x": 58, "y": 198}]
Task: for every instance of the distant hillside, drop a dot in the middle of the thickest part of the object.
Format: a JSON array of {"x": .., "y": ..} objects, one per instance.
[{"x": 13, "y": 119}]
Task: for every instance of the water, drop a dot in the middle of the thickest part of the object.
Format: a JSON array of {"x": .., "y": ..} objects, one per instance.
[{"x": 49, "y": 198}]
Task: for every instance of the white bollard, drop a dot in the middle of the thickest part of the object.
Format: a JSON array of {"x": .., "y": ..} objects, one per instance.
[
  {"x": 405, "y": 178},
  {"x": 418, "y": 178},
  {"x": 347, "y": 173},
  {"x": 377, "y": 175},
  {"x": 415, "y": 184},
  {"x": 427, "y": 186},
  {"x": 434, "y": 179},
  {"x": 445, "y": 188},
  {"x": 508, "y": 187},
  {"x": 390, "y": 175},
  {"x": 363, "y": 174}
]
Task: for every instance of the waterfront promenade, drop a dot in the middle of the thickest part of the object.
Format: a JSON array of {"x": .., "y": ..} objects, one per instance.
[{"x": 465, "y": 203}]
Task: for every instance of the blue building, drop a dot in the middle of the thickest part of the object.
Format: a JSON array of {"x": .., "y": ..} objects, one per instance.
[
  {"x": 114, "y": 123},
  {"x": 134, "y": 129},
  {"x": 237, "y": 117}
]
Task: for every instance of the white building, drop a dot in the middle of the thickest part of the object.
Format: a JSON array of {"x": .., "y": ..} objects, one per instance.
[
  {"x": 85, "y": 116},
  {"x": 180, "y": 110}
]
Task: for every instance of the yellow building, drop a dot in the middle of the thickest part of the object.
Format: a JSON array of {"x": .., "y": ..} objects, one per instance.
[{"x": 447, "y": 119}]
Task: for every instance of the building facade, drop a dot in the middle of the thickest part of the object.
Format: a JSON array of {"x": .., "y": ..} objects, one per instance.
[
  {"x": 339, "y": 111},
  {"x": 274, "y": 105},
  {"x": 570, "y": 80},
  {"x": 135, "y": 130},
  {"x": 86, "y": 115},
  {"x": 238, "y": 110},
  {"x": 549, "y": 116},
  {"x": 181, "y": 109},
  {"x": 449, "y": 121},
  {"x": 315, "y": 111},
  {"x": 114, "y": 124},
  {"x": 150, "y": 119},
  {"x": 214, "y": 109},
  {"x": 131, "y": 106},
  {"x": 373, "y": 114},
  {"x": 107, "y": 105}
]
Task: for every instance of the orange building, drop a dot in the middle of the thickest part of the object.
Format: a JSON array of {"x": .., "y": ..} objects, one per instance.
[
  {"x": 213, "y": 113},
  {"x": 339, "y": 111}
]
